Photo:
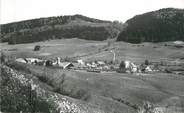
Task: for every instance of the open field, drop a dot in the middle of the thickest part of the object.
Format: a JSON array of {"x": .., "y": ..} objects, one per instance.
[
  {"x": 98, "y": 50},
  {"x": 112, "y": 92}
]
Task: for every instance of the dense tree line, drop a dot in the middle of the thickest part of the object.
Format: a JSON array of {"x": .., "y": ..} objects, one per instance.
[
  {"x": 158, "y": 26},
  {"x": 60, "y": 27},
  {"x": 30, "y": 24},
  {"x": 88, "y": 33}
]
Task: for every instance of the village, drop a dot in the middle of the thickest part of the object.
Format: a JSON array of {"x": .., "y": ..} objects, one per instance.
[{"x": 97, "y": 66}]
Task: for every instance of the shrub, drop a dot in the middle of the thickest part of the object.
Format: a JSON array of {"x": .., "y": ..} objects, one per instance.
[
  {"x": 146, "y": 62},
  {"x": 3, "y": 57},
  {"x": 121, "y": 67},
  {"x": 48, "y": 63},
  {"x": 37, "y": 48}
]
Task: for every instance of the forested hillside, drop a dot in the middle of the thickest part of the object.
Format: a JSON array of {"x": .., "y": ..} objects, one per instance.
[
  {"x": 157, "y": 26},
  {"x": 76, "y": 26}
]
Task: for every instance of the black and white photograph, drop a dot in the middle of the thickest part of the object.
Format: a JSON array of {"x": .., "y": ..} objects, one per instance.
[{"x": 91, "y": 56}]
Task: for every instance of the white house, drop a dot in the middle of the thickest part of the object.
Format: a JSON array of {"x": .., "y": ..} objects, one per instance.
[
  {"x": 80, "y": 61},
  {"x": 33, "y": 60},
  {"x": 130, "y": 67}
]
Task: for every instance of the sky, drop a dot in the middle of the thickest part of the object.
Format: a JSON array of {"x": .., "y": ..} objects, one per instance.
[{"x": 121, "y": 10}]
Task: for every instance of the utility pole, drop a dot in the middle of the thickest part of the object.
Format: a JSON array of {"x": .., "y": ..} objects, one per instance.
[{"x": 114, "y": 56}]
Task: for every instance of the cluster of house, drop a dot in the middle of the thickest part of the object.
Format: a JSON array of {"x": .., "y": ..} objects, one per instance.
[
  {"x": 95, "y": 66},
  {"x": 130, "y": 67},
  {"x": 54, "y": 63},
  {"x": 78, "y": 64}
]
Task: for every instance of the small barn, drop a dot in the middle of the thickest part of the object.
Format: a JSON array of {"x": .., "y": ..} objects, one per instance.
[
  {"x": 22, "y": 60},
  {"x": 101, "y": 63},
  {"x": 66, "y": 65}
]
